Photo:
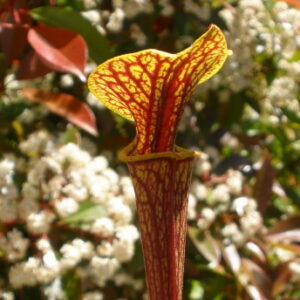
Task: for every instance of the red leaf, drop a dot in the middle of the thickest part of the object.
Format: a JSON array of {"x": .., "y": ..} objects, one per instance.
[
  {"x": 293, "y": 222},
  {"x": 31, "y": 67},
  {"x": 14, "y": 24},
  {"x": 264, "y": 184},
  {"x": 66, "y": 106},
  {"x": 16, "y": 12},
  {"x": 259, "y": 278},
  {"x": 207, "y": 246},
  {"x": 287, "y": 230},
  {"x": 254, "y": 292},
  {"x": 13, "y": 40},
  {"x": 283, "y": 276},
  {"x": 60, "y": 49}
]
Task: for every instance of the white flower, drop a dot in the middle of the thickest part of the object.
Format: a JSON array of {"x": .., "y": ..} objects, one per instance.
[
  {"x": 66, "y": 206},
  {"x": 86, "y": 248},
  {"x": 138, "y": 35},
  {"x": 167, "y": 7},
  {"x": 70, "y": 256},
  {"x": 24, "y": 274},
  {"x": 30, "y": 191},
  {"x": 191, "y": 209},
  {"x": 14, "y": 245},
  {"x": 26, "y": 207},
  {"x": 92, "y": 100},
  {"x": 123, "y": 249},
  {"x": 251, "y": 222},
  {"x": 92, "y": 296},
  {"x": 239, "y": 205},
  {"x": 208, "y": 214},
  {"x": 50, "y": 261},
  {"x": 220, "y": 194},
  {"x": 115, "y": 22},
  {"x": 105, "y": 249},
  {"x": 284, "y": 254},
  {"x": 104, "y": 268},
  {"x": 92, "y": 15},
  {"x": 123, "y": 245},
  {"x": 232, "y": 232},
  {"x": 295, "y": 267},
  {"x": 229, "y": 140},
  {"x": 89, "y": 4},
  {"x": 37, "y": 142},
  {"x": 118, "y": 211},
  {"x": 78, "y": 193},
  {"x": 128, "y": 190},
  {"x": 8, "y": 206},
  {"x": 126, "y": 279},
  {"x": 134, "y": 7},
  {"x": 53, "y": 165},
  {"x": 201, "y": 11},
  {"x": 99, "y": 187},
  {"x": 199, "y": 190},
  {"x": 6, "y": 172},
  {"x": 202, "y": 166},
  {"x": 103, "y": 226},
  {"x": 40, "y": 222},
  {"x": 54, "y": 290},
  {"x": 43, "y": 245},
  {"x": 66, "y": 81},
  {"x": 111, "y": 175},
  {"x": 17, "y": 276},
  {"x": 98, "y": 164},
  {"x": 6, "y": 295},
  {"x": 73, "y": 155}
]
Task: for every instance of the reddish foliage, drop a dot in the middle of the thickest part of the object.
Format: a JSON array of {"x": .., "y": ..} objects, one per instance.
[
  {"x": 13, "y": 39},
  {"x": 59, "y": 49},
  {"x": 54, "y": 46},
  {"x": 31, "y": 67},
  {"x": 14, "y": 22},
  {"x": 264, "y": 184},
  {"x": 66, "y": 106}
]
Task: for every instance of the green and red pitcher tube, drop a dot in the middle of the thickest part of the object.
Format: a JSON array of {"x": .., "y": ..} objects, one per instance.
[{"x": 161, "y": 182}]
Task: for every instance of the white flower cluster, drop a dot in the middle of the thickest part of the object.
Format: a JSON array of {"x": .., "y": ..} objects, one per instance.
[
  {"x": 112, "y": 21},
  {"x": 8, "y": 191},
  {"x": 197, "y": 8},
  {"x": 66, "y": 189},
  {"x": 254, "y": 30},
  {"x": 208, "y": 203},
  {"x": 256, "y": 33},
  {"x": 6, "y": 295}
]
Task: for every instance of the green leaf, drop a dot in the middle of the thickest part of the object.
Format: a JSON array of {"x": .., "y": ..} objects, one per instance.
[
  {"x": 11, "y": 111},
  {"x": 71, "y": 286},
  {"x": 99, "y": 47},
  {"x": 88, "y": 211},
  {"x": 291, "y": 115},
  {"x": 71, "y": 135},
  {"x": 295, "y": 57},
  {"x": 197, "y": 290},
  {"x": 75, "y": 4}
]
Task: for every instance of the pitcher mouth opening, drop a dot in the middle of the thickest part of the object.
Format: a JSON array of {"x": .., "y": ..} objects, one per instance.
[{"x": 179, "y": 154}]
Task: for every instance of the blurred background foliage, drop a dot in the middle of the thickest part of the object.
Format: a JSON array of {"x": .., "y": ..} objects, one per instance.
[{"x": 67, "y": 214}]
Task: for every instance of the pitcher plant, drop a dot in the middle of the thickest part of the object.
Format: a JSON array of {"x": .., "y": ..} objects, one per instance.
[{"x": 151, "y": 88}]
